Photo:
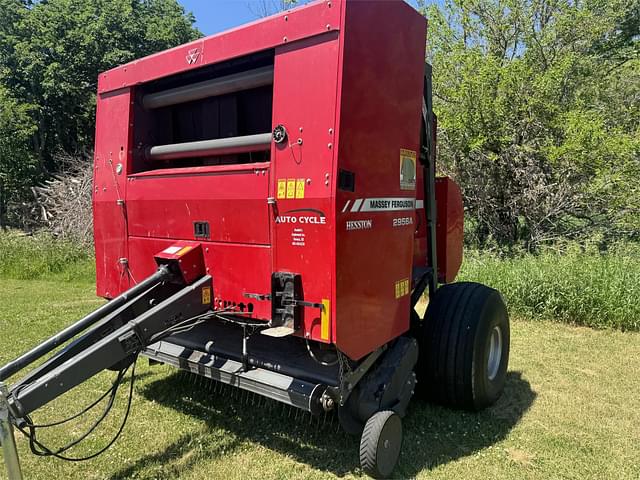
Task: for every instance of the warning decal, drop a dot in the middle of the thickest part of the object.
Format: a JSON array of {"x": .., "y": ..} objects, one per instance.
[
  {"x": 402, "y": 288},
  {"x": 282, "y": 188},
  {"x": 407, "y": 169},
  {"x": 291, "y": 188},
  {"x": 206, "y": 295}
]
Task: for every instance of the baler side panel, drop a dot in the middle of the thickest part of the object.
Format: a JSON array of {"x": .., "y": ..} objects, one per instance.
[
  {"x": 304, "y": 100},
  {"x": 112, "y": 148},
  {"x": 449, "y": 228},
  {"x": 380, "y": 115}
]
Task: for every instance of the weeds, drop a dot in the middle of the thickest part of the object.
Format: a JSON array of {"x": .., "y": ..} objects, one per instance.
[
  {"x": 573, "y": 284},
  {"x": 42, "y": 256}
]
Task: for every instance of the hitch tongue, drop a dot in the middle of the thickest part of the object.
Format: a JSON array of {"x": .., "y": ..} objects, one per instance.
[{"x": 7, "y": 440}]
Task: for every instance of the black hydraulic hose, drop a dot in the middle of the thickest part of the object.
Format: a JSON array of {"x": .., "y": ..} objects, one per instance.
[
  {"x": 72, "y": 330},
  {"x": 40, "y": 449}
]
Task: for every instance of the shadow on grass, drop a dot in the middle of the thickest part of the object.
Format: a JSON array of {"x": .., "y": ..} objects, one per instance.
[{"x": 433, "y": 435}]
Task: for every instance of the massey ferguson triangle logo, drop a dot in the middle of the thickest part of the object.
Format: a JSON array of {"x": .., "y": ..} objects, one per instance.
[{"x": 192, "y": 56}]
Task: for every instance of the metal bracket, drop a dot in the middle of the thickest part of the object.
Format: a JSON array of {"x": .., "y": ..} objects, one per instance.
[
  {"x": 351, "y": 379},
  {"x": 303, "y": 303},
  {"x": 292, "y": 302},
  {"x": 9, "y": 449},
  {"x": 427, "y": 158},
  {"x": 258, "y": 296}
]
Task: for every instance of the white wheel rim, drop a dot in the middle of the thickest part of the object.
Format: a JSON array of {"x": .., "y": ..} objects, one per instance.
[{"x": 495, "y": 352}]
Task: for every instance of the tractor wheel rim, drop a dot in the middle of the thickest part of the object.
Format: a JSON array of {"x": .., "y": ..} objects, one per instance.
[{"x": 495, "y": 352}]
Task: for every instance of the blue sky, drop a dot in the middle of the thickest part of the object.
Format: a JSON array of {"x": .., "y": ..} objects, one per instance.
[{"x": 214, "y": 16}]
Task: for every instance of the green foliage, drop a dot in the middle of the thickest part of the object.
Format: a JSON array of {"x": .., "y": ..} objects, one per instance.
[
  {"x": 44, "y": 257},
  {"x": 539, "y": 115},
  {"x": 50, "y": 56},
  {"x": 576, "y": 285},
  {"x": 18, "y": 167}
]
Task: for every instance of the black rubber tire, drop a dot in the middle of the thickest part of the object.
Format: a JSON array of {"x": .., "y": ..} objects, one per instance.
[
  {"x": 454, "y": 340},
  {"x": 380, "y": 444}
]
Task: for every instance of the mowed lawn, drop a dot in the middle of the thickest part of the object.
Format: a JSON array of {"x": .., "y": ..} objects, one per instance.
[{"x": 571, "y": 409}]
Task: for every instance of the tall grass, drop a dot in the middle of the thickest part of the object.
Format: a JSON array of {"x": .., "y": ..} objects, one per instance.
[
  {"x": 44, "y": 257},
  {"x": 574, "y": 284}
]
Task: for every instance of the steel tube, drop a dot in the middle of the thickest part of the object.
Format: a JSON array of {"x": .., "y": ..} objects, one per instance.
[
  {"x": 72, "y": 330},
  {"x": 258, "y": 77},
  {"x": 219, "y": 146},
  {"x": 7, "y": 440}
]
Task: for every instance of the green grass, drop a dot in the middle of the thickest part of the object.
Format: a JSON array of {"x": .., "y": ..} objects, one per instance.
[
  {"x": 572, "y": 285},
  {"x": 44, "y": 257},
  {"x": 570, "y": 410}
]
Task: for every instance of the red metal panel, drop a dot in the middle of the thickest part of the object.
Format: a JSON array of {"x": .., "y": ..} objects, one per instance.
[
  {"x": 304, "y": 100},
  {"x": 236, "y": 269},
  {"x": 313, "y": 19},
  {"x": 381, "y": 92},
  {"x": 449, "y": 228},
  {"x": 112, "y": 147},
  {"x": 232, "y": 200}
]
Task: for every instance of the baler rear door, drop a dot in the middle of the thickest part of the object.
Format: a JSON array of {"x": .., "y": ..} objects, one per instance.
[{"x": 201, "y": 169}]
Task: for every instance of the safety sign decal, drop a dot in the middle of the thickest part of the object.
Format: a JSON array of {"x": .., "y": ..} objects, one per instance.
[
  {"x": 407, "y": 169},
  {"x": 402, "y": 288},
  {"x": 291, "y": 188}
]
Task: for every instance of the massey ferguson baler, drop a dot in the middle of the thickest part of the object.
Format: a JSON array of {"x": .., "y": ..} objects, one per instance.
[{"x": 267, "y": 215}]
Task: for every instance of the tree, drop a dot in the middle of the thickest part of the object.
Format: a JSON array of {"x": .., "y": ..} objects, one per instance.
[
  {"x": 51, "y": 53},
  {"x": 264, "y": 8},
  {"x": 539, "y": 115},
  {"x": 18, "y": 167}
]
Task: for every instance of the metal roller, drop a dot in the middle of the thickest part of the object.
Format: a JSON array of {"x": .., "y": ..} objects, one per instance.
[
  {"x": 258, "y": 77},
  {"x": 219, "y": 146}
]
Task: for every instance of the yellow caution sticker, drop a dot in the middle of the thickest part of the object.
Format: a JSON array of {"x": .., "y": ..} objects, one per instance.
[
  {"x": 183, "y": 250},
  {"x": 206, "y": 295},
  {"x": 324, "y": 319},
  {"x": 282, "y": 188},
  {"x": 300, "y": 188},
  {"x": 407, "y": 169},
  {"x": 291, "y": 188},
  {"x": 402, "y": 288}
]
